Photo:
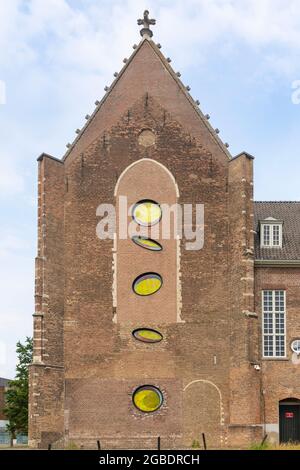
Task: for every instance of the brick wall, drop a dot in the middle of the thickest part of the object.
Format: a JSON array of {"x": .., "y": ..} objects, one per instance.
[
  {"x": 280, "y": 377},
  {"x": 244, "y": 406},
  {"x": 87, "y": 364},
  {"x": 2, "y": 402},
  {"x": 49, "y": 305}
]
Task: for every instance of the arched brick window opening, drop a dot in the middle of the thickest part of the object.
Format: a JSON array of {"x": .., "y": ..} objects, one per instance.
[{"x": 147, "y": 186}]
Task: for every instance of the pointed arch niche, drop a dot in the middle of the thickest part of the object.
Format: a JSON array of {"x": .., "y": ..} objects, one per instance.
[{"x": 146, "y": 180}]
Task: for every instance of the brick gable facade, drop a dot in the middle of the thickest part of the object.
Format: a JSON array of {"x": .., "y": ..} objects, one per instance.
[{"x": 87, "y": 363}]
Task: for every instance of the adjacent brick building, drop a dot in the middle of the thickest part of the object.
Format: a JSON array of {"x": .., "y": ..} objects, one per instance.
[
  {"x": 198, "y": 365},
  {"x": 3, "y": 419}
]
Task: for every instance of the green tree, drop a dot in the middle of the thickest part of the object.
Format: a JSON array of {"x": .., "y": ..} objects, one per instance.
[{"x": 16, "y": 396}]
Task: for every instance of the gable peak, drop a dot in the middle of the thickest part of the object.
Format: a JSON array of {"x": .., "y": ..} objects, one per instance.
[
  {"x": 146, "y": 22},
  {"x": 147, "y": 44}
]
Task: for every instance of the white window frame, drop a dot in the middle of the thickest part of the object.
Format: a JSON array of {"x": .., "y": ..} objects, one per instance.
[
  {"x": 271, "y": 243},
  {"x": 297, "y": 351},
  {"x": 274, "y": 334}
]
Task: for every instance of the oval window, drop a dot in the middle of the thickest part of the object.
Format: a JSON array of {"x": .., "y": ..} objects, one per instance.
[
  {"x": 295, "y": 346},
  {"x": 147, "y": 284},
  {"x": 147, "y": 398},
  {"x": 147, "y": 243},
  {"x": 146, "y": 212},
  {"x": 147, "y": 335}
]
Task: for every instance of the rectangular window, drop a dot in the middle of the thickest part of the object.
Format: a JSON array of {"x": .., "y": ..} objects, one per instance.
[
  {"x": 274, "y": 316},
  {"x": 276, "y": 237},
  {"x": 266, "y": 235},
  {"x": 271, "y": 235}
]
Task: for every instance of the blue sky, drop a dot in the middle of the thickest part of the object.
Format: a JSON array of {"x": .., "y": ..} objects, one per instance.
[{"x": 240, "y": 57}]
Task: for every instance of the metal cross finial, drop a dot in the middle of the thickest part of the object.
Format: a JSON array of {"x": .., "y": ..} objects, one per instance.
[{"x": 146, "y": 22}]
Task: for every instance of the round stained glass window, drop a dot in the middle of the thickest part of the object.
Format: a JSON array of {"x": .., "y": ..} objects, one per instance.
[
  {"x": 147, "y": 243},
  {"x": 147, "y": 398},
  {"x": 146, "y": 212},
  {"x": 147, "y": 335},
  {"x": 147, "y": 284},
  {"x": 295, "y": 346}
]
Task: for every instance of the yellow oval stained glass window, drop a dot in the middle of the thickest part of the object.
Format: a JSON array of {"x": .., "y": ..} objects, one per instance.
[
  {"x": 147, "y": 398},
  {"x": 147, "y": 243},
  {"x": 147, "y": 212},
  {"x": 147, "y": 284},
  {"x": 147, "y": 335}
]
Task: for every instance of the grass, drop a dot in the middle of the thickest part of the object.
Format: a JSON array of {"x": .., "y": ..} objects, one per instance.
[
  {"x": 260, "y": 446},
  {"x": 269, "y": 446},
  {"x": 72, "y": 446},
  {"x": 195, "y": 444}
]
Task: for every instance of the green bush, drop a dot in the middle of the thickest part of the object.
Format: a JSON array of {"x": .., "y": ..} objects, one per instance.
[
  {"x": 72, "y": 446},
  {"x": 195, "y": 444},
  {"x": 260, "y": 446}
]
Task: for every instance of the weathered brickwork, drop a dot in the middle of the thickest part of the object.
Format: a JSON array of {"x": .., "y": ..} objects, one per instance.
[
  {"x": 243, "y": 325},
  {"x": 86, "y": 362},
  {"x": 281, "y": 377},
  {"x": 46, "y": 373},
  {"x": 2, "y": 402}
]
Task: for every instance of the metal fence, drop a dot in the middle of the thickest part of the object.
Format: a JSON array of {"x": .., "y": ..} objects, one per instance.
[{"x": 5, "y": 438}]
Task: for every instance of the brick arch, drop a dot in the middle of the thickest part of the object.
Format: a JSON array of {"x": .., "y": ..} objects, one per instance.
[
  {"x": 287, "y": 391},
  {"x": 146, "y": 179},
  {"x": 139, "y": 162},
  {"x": 288, "y": 399},
  {"x": 204, "y": 412}
]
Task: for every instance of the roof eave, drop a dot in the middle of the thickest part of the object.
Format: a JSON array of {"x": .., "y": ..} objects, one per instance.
[
  {"x": 277, "y": 263},
  {"x": 46, "y": 155},
  {"x": 243, "y": 154}
]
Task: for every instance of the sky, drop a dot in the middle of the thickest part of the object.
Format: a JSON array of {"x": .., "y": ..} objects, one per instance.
[{"x": 241, "y": 59}]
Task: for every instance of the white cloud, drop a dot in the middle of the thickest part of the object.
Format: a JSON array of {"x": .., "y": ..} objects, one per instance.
[
  {"x": 11, "y": 243},
  {"x": 16, "y": 293},
  {"x": 57, "y": 55},
  {"x": 3, "y": 355},
  {"x": 91, "y": 38},
  {"x": 2, "y": 92},
  {"x": 11, "y": 181},
  {"x": 296, "y": 93},
  {"x": 257, "y": 24}
]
